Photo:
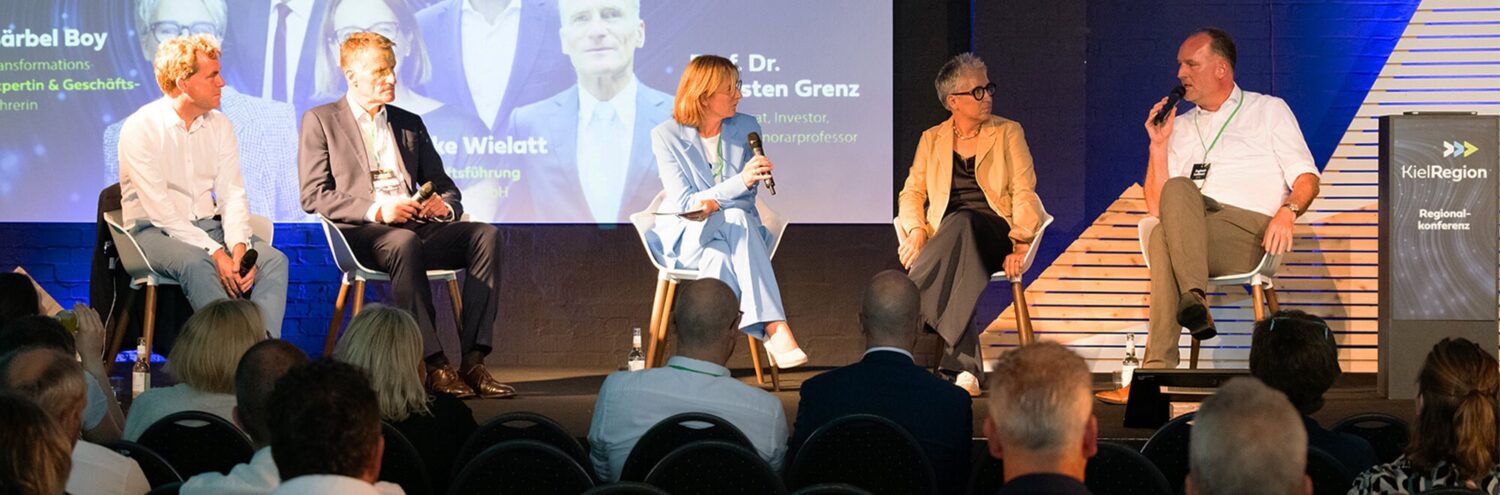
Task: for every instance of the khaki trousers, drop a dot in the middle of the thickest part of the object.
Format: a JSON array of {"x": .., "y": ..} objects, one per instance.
[{"x": 1197, "y": 238}]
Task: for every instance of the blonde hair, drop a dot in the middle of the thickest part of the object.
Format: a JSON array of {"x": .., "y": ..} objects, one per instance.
[
  {"x": 704, "y": 75},
  {"x": 177, "y": 58},
  {"x": 386, "y": 343},
  {"x": 212, "y": 342},
  {"x": 35, "y": 454}
]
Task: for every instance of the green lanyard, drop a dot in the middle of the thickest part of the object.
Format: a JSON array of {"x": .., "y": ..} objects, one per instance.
[
  {"x": 718, "y": 165},
  {"x": 673, "y": 366},
  {"x": 370, "y": 146},
  {"x": 1210, "y": 146}
]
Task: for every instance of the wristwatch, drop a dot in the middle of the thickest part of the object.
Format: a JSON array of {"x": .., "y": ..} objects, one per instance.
[{"x": 1296, "y": 210}]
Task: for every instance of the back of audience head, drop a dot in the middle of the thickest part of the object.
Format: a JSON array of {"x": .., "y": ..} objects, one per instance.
[
  {"x": 1042, "y": 411},
  {"x": 891, "y": 312},
  {"x": 1294, "y": 352},
  {"x": 211, "y": 343},
  {"x": 17, "y": 297},
  {"x": 36, "y": 331},
  {"x": 255, "y": 378},
  {"x": 53, "y": 379},
  {"x": 35, "y": 455},
  {"x": 706, "y": 315},
  {"x": 1232, "y": 451},
  {"x": 1456, "y": 420},
  {"x": 324, "y": 419},
  {"x": 386, "y": 343}
]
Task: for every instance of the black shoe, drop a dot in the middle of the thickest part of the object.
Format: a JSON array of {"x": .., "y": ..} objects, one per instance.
[{"x": 1192, "y": 313}]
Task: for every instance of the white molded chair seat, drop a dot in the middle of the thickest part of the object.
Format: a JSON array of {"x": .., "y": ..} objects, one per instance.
[
  {"x": 138, "y": 266},
  {"x": 667, "y": 279},
  {"x": 1261, "y": 280}
]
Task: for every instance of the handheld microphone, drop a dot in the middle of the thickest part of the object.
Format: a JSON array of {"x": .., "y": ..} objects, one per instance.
[
  {"x": 1171, "y": 106},
  {"x": 754, "y": 141},
  {"x": 248, "y": 262},
  {"x": 423, "y": 193}
]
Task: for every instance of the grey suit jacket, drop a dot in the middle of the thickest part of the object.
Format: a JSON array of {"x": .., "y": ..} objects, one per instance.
[
  {"x": 335, "y": 172},
  {"x": 553, "y": 191}
]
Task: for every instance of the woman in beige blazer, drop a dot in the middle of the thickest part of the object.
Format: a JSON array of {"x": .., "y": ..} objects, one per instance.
[{"x": 969, "y": 209}]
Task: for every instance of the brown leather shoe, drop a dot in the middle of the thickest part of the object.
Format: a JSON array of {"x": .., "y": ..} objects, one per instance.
[
  {"x": 445, "y": 380},
  {"x": 1117, "y": 397},
  {"x": 478, "y": 377}
]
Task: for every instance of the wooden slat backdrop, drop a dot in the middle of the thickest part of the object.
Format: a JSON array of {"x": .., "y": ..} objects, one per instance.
[{"x": 1096, "y": 292}]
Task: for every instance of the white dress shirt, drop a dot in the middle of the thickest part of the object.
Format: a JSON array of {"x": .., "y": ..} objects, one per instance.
[
  {"x": 100, "y": 471},
  {"x": 171, "y": 175},
  {"x": 1255, "y": 162},
  {"x": 333, "y": 484},
  {"x": 605, "y": 132},
  {"x": 489, "y": 51},
  {"x": 296, "y": 31},
  {"x": 259, "y": 477},
  {"x": 631, "y": 402},
  {"x": 385, "y": 154}
]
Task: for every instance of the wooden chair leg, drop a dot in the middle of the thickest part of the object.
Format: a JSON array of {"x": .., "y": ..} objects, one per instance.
[
  {"x": 657, "y": 301},
  {"x": 754, "y": 349},
  {"x": 148, "y": 325},
  {"x": 659, "y": 335},
  {"x": 458, "y": 304},
  {"x": 775, "y": 372},
  {"x": 1271, "y": 300},
  {"x": 121, "y": 325},
  {"x": 1259, "y": 297},
  {"x": 359, "y": 297},
  {"x": 1193, "y": 353},
  {"x": 338, "y": 318},
  {"x": 1023, "y": 313}
]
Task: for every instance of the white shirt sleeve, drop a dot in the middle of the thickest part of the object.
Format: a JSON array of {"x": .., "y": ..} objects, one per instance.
[
  {"x": 139, "y": 148},
  {"x": 1288, "y": 144},
  {"x": 229, "y": 186}
]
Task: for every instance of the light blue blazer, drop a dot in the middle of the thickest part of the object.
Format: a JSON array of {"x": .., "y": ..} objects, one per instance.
[{"x": 687, "y": 179}]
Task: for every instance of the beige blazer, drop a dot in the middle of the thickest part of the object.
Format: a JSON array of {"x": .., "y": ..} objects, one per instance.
[{"x": 1003, "y": 170}]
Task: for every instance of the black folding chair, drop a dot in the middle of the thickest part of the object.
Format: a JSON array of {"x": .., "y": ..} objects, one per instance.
[
  {"x": 195, "y": 442},
  {"x": 626, "y": 488},
  {"x": 674, "y": 432},
  {"x": 1387, "y": 434},
  {"x": 715, "y": 466},
  {"x": 987, "y": 475},
  {"x": 1328, "y": 473},
  {"x": 402, "y": 464},
  {"x": 521, "y": 426},
  {"x": 522, "y": 467},
  {"x": 158, "y": 471},
  {"x": 866, "y": 451},
  {"x": 168, "y": 489},
  {"x": 1168, "y": 450},
  {"x": 832, "y": 489},
  {"x": 1120, "y": 470}
]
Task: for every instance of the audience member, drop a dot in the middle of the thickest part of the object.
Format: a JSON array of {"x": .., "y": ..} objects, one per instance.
[
  {"x": 254, "y": 379},
  {"x": 1041, "y": 420},
  {"x": 325, "y": 430},
  {"x": 1247, "y": 440},
  {"x": 17, "y": 297},
  {"x": 1294, "y": 353},
  {"x": 386, "y": 344},
  {"x": 55, "y": 381},
  {"x": 203, "y": 362},
  {"x": 1453, "y": 442},
  {"x": 103, "y": 420},
  {"x": 34, "y": 452},
  {"x": 695, "y": 380},
  {"x": 888, "y": 383}
]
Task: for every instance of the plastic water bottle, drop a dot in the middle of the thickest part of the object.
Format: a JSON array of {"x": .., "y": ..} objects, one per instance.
[
  {"x": 140, "y": 375},
  {"x": 636, "y": 361},
  {"x": 1130, "y": 363}
]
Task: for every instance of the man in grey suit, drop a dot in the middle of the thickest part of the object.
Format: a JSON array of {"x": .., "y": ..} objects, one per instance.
[
  {"x": 599, "y": 167},
  {"x": 361, "y": 162}
]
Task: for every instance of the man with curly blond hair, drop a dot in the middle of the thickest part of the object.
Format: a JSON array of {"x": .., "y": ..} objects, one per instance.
[{"x": 183, "y": 193}]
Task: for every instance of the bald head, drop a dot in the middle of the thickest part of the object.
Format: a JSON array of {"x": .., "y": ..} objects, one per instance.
[
  {"x": 706, "y": 312},
  {"x": 53, "y": 379},
  {"x": 890, "y": 313},
  {"x": 255, "y": 378}
]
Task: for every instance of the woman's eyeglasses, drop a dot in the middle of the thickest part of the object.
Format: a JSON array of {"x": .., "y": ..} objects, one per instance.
[
  {"x": 164, "y": 31},
  {"x": 979, "y": 92}
]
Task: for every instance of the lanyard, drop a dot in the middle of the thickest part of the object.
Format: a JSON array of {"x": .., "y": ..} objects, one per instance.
[
  {"x": 683, "y": 368},
  {"x": 371, "y": 148},
  {"x": 718, "y": 165},
  {"x": 1210, "y": 146}
]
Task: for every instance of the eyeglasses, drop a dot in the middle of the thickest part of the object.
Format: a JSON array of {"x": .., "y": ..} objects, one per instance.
[
  {"x": 164, "y": 31},
  {"x": 386, "y": 29},
  {"x": 979, "y": 92},
  {"x": 1326, "y": 332}
]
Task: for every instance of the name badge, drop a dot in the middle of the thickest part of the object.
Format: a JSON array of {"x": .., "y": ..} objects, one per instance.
[
  {"x": 385, "y": 182},
  {"x": 1200, "y": 171}
]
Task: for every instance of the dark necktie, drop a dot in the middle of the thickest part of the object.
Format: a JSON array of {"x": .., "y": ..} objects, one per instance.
[{"x": 278, "y": 54}]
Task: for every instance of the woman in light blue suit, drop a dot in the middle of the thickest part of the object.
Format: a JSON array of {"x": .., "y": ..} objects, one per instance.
[{"x": 710, "y": 177}]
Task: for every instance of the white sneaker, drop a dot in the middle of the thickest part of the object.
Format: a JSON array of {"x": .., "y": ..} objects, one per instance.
[{"x": 968, "y": 382}]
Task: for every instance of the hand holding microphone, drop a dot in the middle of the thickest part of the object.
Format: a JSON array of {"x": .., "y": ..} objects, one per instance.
[
  {"x": 1159, "y": 120},
  {"x": 760, "y": 155}
]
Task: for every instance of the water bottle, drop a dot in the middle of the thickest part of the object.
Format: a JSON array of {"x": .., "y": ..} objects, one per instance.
[
  {"x": 140, "y": 375},
  {"x": 636, "y": 361},
  {"x": 1130, "y": 363}
]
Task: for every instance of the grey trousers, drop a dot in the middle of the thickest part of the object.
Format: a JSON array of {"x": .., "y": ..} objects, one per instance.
[
  {"x": 951, "y": 273},
  {"x": 1183, "y": 257},
  {"x": 195, "y": 270}
]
